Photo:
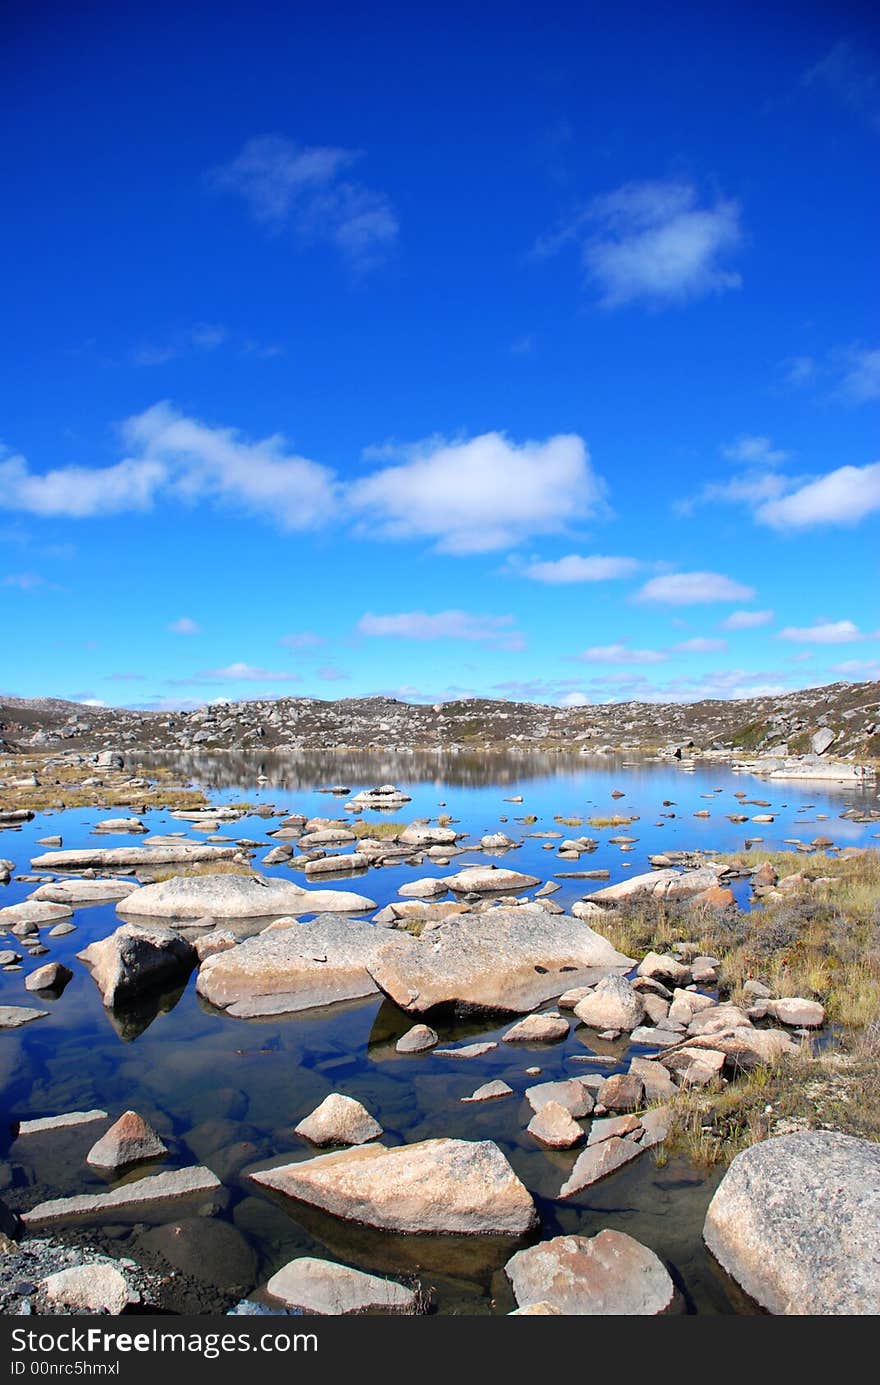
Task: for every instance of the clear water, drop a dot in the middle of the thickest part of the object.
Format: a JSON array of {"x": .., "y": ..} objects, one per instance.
[{"x": 229, "y": 1092}]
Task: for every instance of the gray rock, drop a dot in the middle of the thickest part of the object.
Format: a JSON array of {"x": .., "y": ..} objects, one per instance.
[
  {"x": 554, "y": 1126},
  {"x": 54, "y": 976},
  {"x": 137, "y": 958},
  {"x": 417, "y": 1039},
  {"x": 596, "y": 1162},
  {"x": 81, "y": 892},
  {"x": 32, "y": 914},
  {"x": 571, "y": 1094},
  {"x": 796, "y": 1222},
  {"x": 490, "y": 1091},
  {"x": 612, "y": 1005},
  {"x": 13, "y": 1016},
  {"x": 93, "y": 1288}
]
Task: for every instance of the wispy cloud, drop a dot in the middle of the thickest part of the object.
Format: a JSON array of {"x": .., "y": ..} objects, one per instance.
[
  {"x": 746, "y": 620},
  {"x": 700, "y": 644},
  {"x": 499, "y": 631},
  {"x": 621, "y": 653},
  {"x": 301, "y": 639},
  {"x": 849, "y": 374},
  {"x": 239, "y": 673},
  {"x": 480, "y": 494},
  {"x": 308, "y": 190},
  {"x": 693, "y": 588},
  {"x": 329, "y": 673},
  {"x": 25, "y": 581},
  {"x": 850, "y": 75},
  {"x": 574, "y": 568},
  {"x": 80, "y": 492},
  {"x": 185, "y": 626},
  {"x": 654, "y": 243},
  {"x": 823, "y": 632},
  {"x": 754, "y": 449}
]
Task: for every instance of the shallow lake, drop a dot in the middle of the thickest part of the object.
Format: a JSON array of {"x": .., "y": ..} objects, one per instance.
[{"x": 228, "y": 1092}]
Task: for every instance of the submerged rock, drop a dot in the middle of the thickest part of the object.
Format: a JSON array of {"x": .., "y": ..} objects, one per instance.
[
  {"x": 159, "y": 1187},
  {"x": 460, "y": 1187},
  {"x": 607, "y": 1275}
]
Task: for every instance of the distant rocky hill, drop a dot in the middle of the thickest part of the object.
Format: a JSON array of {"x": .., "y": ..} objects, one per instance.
[{"x": 841, "y": 720}]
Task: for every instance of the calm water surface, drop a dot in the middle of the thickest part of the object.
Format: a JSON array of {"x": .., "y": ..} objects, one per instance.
[{"x": 228, "y": 1092}]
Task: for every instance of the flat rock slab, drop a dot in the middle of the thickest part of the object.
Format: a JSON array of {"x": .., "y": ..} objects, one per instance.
[
  {"x": 796, "y": 1222},
  {"x": 80, "y": 892},
  {"x": 13, "y": 1016},
  {"x": 297, "y": 968},
  {"x": 70, "y": 1118},
  {"x": 235, "y": 897},
  {"x": 33, "y": 911},
  {"x": 132, "y": 857},
  {"x": 488, "y": 962},
  {"x": 466, "y": 1050},
  {"x": 597, "y": 1161},
  {"x": 554, "y": 1126},
  {"x": 456, "y": 1187},
  {"x": 606, "y": 1275},
  {"x": 537, "y": 1029},
  {"x": 159, "y": 1187},
  {"x": 569, "y": 1093},
  {"x": 320, "y": 1286},
  {"x": 490, "y": 1091}
]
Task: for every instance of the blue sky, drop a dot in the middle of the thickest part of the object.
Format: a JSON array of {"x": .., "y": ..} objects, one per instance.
[{"x": 438, "y": 350}]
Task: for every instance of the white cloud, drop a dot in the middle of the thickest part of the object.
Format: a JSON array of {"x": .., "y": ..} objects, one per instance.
[
  {"x": 754, "y": 449},
  {"x": 481, "y": 494},
  {"x": 331, "y": 674},
  {"x": 80, "y": 492},
  {"x": 203, "y": 462},
  {"x": 307, "y": 188},
  {"x": 701, "y": 644},
  {"x": 444, "y": 625},
  {"x": 746, "y": 620},
  {"x": 653, "y": 242},
  {"x": 574, "y": 699},
  {"x": 185, "y": 626},
  {"x": 824, "y": 632},
  {"x": 844, "y": 496},
  {"x": 621, "y": 654},
  {"x": 693, "y": 588},
  {"x": 574, "y": 568}
]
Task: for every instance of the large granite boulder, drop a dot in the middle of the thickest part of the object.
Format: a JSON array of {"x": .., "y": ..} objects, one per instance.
[
  {"x": 459, "y": 1187},
  {"x": 607, "y": 1275},
  {"x": 796, "y": 1222},
  {"x": 490, "y": 880},
  {"x": 134, "y": 858},
  {"x": 509, "y": 960},
  {"x": 282, "y": 970},
  {"x": 138, "y": 958},
  {"x": 234, "y": 897}
]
